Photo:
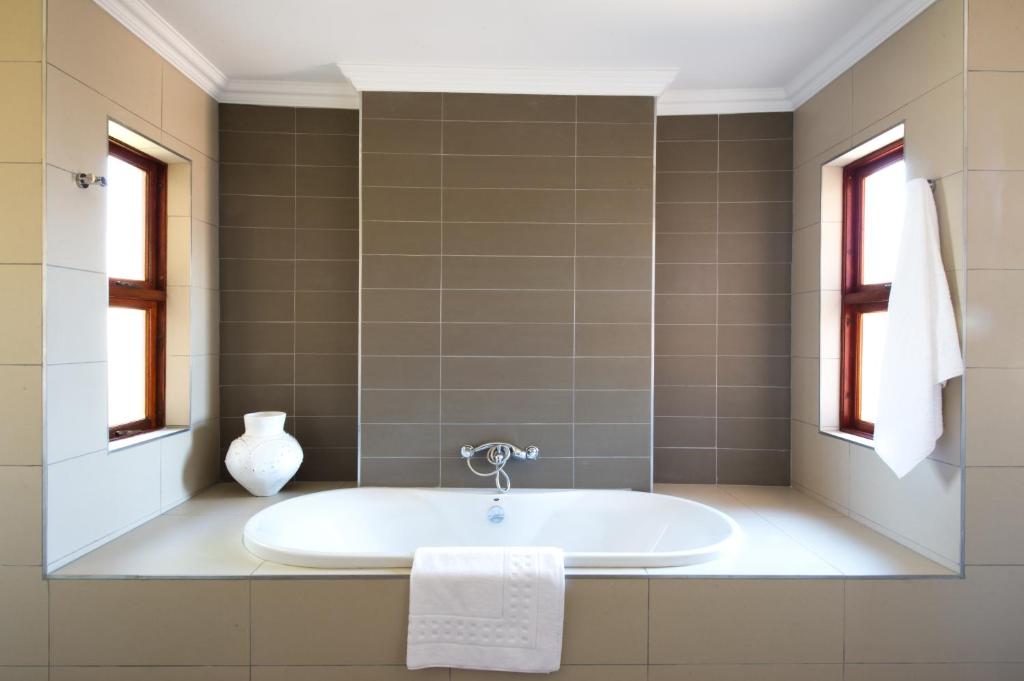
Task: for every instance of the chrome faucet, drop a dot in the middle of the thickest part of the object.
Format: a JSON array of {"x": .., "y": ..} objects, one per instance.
[{"x": 498, "y": 454}]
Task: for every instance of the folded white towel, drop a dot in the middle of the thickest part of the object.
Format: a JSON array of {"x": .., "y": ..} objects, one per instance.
[
  {"x": 497, "y": 608},
  {"x": 922, "y": 349}
]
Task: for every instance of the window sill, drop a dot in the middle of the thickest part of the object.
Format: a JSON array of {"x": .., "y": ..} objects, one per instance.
[
  {"x": 142, "y": 438},
  {"x": 849, "y": 437}
]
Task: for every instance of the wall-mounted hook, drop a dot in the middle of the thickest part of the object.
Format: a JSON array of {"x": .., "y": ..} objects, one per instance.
[{"x": 83, "y": 180}]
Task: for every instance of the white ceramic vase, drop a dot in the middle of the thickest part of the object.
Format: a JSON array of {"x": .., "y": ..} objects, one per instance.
[{"x": 265, "y": 457}]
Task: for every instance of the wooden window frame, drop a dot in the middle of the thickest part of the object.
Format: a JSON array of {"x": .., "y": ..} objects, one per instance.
[
  {"x": 149, "y": 294},
  {"x": 858, "y": 298}
]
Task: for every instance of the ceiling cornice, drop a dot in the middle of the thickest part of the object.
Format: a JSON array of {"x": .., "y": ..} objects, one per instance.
[
  {"x": 142, "y": 20},
  {"x": 290, "y": 93},
  {"x": 414, "y": 78},
  {"x": 864, "y": 36},
  {"x": 878, "y": 25},
  {"x": 688, "y": 102}
]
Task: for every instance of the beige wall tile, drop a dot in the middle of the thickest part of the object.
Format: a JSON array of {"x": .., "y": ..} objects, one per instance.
[
  {"x": 149, "y": 622},
  {"x": 21, "y": 518},
  {"x": 981, "y": 671},
  {"x": 204, "y": 313},
  {"x": 76, "y": 125},
  {"x": 21, "y": 310},
  {"x": 298, "y": 622},
  {"x": 924, "y": 53},
  {"x": 746, "y": 672},
  {"x": 994, "y": 213},
  {"x": 947, "y": 447},
  {"x": 806, "y": 194},
  {"x": 389, "y": 673},
  {"x": 995, "y": 103},
  {"x": 949, "y": 204},
  {"x": 21, "y": 34},
  {"x": 993, "y": 42},
  {"x": 90, "y": 45},
  {"x": 25, "y": 673},
  {"x": 806, "y": 324},
  {"x": 923, "y": 507},
  {"x": 21, "y": 400},
  {"x": 805, "y": 387},
  {"x": 606, "y": 621},
  {"x": 21, "y": 222},
  {"x": 189, "y": 463},
  {"x": 75, "y": 222},
  {"x": 566, "y": 673},
  {"x": 149, "y": 674},
  {"x": 124, "y": 491},
  {"x": 821, "y": 464},
  {"x": 188, "y": 113},
  {"x": 951, "y": 620},
  {"x": 745, "y": 621},
  {"x": 933, "y": 131},
  {"x": 807, "y": 259},
  {"x": 76, "y": 321},
  {"x": 824, "y": 120},
  {"x": 21, "y": 121},
  {"x": 994, "y": 320},
  {"x": 994, "y": 497},
  {"x": 23, "y": 639},
  {"x": 994, "y": 432},
  {"x": 204, "y": 188}
]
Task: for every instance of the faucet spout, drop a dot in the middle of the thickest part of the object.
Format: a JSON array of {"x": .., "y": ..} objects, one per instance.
[{"x": 498, "y": 454}]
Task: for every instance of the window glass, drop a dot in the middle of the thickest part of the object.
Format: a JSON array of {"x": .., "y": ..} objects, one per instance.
[
  {"x": 873, "y": 326},
  {"x": 884, "y": 198},
  {"x": 126, "y": 365},
  {"x": 126, "y": 220}
]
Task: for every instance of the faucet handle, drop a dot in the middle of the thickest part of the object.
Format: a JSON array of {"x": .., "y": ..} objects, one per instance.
[
  {"x": 467, "y": 451},
  {"x": 532, "y": 453}
]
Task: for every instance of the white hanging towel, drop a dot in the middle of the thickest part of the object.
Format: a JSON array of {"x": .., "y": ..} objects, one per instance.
[
  {"x": 922, "y": 349},
  {"x": 493, "y": 608}
]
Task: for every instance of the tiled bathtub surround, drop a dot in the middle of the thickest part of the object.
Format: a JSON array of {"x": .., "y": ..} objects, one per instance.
[
  {"x": 723, "y": 244},
  {"x": 289, "y": 260},
  {"x": 506, "y": 282},
  {"x": 914, "y": 78},
  {"x": 94, "y": 493}
]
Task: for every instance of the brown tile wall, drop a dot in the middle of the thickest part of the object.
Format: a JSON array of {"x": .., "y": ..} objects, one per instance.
[
  {"x": 507, "y": 286},
  {"x": 289, "y": 259},
  {"x": 722, "y": 305}
]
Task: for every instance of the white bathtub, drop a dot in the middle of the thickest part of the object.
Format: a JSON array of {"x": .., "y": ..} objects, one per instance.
[{"x": 375, "y": 527}]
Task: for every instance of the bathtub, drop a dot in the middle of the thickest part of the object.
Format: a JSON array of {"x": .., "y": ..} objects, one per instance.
[{"x": 381, "y": 527}]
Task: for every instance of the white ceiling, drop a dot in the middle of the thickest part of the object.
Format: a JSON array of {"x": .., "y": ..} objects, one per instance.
[{"x": 707, "y": 55}]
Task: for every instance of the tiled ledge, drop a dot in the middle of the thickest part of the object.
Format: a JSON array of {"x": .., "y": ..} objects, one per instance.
[{"x": 785, "y": 534}]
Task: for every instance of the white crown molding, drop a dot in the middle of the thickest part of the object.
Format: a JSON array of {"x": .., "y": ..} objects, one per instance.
[
  {"x": 688, "y": 102},
  {"x": 854, "y": 45},
  {"x": 290, "y": 93},
  {"x": 153, "y": 29},
  {"x": 878, "y": 25},
  {"x": 412, "y": 78}
]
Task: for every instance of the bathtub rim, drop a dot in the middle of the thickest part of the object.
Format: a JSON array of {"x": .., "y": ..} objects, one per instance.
[{"x": 619, "y": 560}]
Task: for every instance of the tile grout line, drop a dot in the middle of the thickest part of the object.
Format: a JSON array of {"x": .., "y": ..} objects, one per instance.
[
  {"x": 575, "y": 293},
  {"x": 440, "y": 318},
  {"x": 718, "y": 239},
  {"x": 295, "y": 267}
]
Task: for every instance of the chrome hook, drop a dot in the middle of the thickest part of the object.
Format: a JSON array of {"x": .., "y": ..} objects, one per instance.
[{"x": 85, "y": 180}]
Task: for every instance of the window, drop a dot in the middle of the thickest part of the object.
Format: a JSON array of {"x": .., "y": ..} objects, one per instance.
[
  {"x": 137, "y": 270},
  {"x": 873, "y": 198}
]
